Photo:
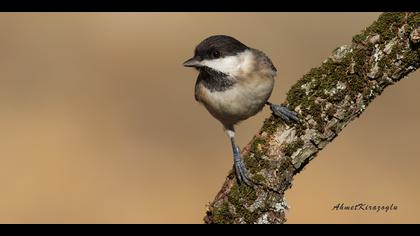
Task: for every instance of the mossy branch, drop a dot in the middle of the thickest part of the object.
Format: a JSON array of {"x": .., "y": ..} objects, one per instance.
[{"x": 327, "y": 99}]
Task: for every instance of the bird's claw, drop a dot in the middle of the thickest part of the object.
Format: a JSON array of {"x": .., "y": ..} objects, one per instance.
[
  {"x": 240, "y": 169},
  {"x": 284, "y": 113}
]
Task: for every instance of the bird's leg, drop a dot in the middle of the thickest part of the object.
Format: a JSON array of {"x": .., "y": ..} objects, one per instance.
[
  {"x": 283, "y": 112},
  {"x": 240, "y": 169}
]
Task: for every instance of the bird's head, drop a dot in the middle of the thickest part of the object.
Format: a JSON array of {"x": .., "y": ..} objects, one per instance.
[{"x": 220, "y": 53}]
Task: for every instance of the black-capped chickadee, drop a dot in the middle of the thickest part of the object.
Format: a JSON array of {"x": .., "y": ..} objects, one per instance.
[{"x": 234, "y": 83}]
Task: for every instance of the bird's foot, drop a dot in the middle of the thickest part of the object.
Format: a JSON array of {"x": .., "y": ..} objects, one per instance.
[
  {"x": 240, "y": 169},
  {"x": 284, "y": 113}
]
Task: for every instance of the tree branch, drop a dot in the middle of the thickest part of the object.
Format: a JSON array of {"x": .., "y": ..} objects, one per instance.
[{"x": 327, "y": 99}]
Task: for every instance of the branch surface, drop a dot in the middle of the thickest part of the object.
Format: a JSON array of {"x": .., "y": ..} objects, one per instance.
[{"x": 327, "y": 99}]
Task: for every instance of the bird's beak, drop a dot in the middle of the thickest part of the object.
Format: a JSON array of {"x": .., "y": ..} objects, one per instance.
[{"x": 192, "y": 62}]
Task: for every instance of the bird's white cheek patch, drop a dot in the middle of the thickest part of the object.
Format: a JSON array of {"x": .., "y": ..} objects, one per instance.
[
  {"x": 228, "y": 65},
  {"x": 231, "y": 65}
]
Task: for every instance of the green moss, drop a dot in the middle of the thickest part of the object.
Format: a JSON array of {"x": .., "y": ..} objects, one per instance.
[
  {"x": 315, "y": 110},
  {"x": 337, "y": 97},
  {"x": 386, "y": 26},
  {"x": 256, "y": 146},
  {"x": 240, "y": 196},
  {"x": 414, "y": 20},
  {"x": 255, "y": 162},
  {"x": 317, "y": 81},
  {"x": 322, "y": 79},
  {"x": 258, "y": 178},
  {"x": 356, "y": 85},
  {"x": 331, "y": 111},
  {"x": 222, "y": 215},
  {"x": 250, "y": 217},
  {"x": 300, "y": 129},
  {"x": 270, "y": 125},
  {"x": 387, "y": 61},
  {"x": 412, "y": 57},
  {"x": 360, "y": 57},
  {"x": 359, "y": 38},
  {"x": 290, "y": 148},
  {"x": 296, "y": 94}
]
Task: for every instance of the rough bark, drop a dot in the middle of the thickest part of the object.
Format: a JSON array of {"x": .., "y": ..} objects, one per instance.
[{"x": 327, "y": 99}]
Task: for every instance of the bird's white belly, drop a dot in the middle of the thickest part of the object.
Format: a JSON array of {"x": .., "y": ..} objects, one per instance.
[{"x": 239, "y": 102}]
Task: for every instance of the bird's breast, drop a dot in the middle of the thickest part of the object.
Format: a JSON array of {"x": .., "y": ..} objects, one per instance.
[{"x": 243, "y": 99}]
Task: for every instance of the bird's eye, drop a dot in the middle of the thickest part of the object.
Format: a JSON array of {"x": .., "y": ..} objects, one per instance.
[{"x": 216, "y": 54}]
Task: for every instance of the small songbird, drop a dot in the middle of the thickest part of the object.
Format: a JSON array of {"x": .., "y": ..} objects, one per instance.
[{"x": 234, "y": 83}]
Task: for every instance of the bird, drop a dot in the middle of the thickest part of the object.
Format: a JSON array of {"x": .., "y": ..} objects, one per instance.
[{"x": 234, "y": 83}]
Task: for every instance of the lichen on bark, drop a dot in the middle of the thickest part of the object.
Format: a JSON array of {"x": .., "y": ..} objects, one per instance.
[{"x": 326, "y": 99}]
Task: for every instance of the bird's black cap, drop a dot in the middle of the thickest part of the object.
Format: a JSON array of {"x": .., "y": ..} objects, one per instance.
[
  {"x": 219, "y": 46},
  {"x": 214, "y": 47}
]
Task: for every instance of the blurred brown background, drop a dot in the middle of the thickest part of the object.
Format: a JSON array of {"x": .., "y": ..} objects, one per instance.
[{"x": 99, "y": 124}]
